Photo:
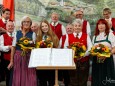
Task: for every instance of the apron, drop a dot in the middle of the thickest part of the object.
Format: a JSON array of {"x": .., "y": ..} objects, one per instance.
[{"x": 103, "y": 73}]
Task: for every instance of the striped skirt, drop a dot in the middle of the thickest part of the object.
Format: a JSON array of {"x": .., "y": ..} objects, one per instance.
[{"x": 22, "y": 75}]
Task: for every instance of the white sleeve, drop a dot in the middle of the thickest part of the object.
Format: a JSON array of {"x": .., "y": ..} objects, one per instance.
[
  {"x": 63, "y": 30},
  {"x": 93, "y": 40},
  {"x": 88, "y": 29},
  {"x": 2, "y": 47},
  {"x": 89, "y": 45},
  {"x": 112, "y": 39},
  {"x": 60, "y": 43},
  {"x": 34, "y": 37},
  {"x": 66, "y": 42},
  {"x": 14, "y": 40}
]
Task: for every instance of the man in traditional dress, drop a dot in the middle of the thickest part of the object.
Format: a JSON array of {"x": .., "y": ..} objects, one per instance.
[
  {"x": 107, "y": 16},
  {"x": 5, "y": 46},
  {"x": 79, "y": 13},
  {"x": 57, "y": 27},
  {"x": 5, "y": 16}
]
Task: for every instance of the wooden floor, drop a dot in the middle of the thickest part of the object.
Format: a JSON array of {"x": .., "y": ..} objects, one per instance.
[{"x": 2, "y": 83}]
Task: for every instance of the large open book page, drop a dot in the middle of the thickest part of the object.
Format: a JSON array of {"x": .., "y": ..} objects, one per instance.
[
  {"x": 50, "y": 57},
  {"x": 61, "y": 57},
  {"x": 40, "y": 57}
]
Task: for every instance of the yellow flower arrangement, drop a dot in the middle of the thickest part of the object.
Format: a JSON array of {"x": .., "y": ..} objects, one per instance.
[
  {"x": 79, "y": 49},
  {"x": 100, "y": 51},
  {"x": 44, "y": 43},
  {"x": 25, "y": 44}
]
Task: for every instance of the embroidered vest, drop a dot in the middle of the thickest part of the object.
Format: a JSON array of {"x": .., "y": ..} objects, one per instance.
[
  {"x": 19, "y": 35},
  {"x": 83, "y": 40},
  {"x": 57, "y": 30},
  {"x": 63, "y": 41},
  {"x": 84, "y": 29},
  {"x": 113, "y": 23},
  {"x": 7, "y": 41}
]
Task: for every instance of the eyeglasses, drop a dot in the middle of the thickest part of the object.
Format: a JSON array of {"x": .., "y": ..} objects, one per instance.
[
  {"x": 69, "y": 28},
  {"x": 26, "y": 21},
  {"x": 106, "y": 14},
  {"x": 79, "y": 14}
]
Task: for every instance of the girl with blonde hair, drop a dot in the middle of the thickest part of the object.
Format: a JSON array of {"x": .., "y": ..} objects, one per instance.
[{"x": 45, "y": 32}]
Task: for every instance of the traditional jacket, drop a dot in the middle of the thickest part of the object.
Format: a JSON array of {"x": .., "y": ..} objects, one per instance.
[
  {"x": 84, "y": 29},
  {"x": 113, "y": 23},
  {"x": 57, "y": 29},
  {"x": 7, "y": 41},
  {"x": 63, "y": 41},
  {"x": 83, "y": 40}
]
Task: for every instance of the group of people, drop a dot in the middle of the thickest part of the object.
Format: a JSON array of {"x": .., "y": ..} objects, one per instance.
[{"x": 14, "y": 66}]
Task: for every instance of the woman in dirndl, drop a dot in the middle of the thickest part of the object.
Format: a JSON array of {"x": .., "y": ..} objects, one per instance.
[
  {"x": 22, "y": 75},
  {"x": 103, "y": 74}
]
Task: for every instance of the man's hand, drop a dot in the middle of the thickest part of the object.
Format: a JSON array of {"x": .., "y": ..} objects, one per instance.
[
  {"x": 2, "y": 30},
  {"x": 10, "y": 65},
  {"x": 10, "y": 47}
]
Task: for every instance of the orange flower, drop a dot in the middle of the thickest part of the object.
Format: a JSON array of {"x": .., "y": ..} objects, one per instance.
[
  {"x": 79, "y": 49},
  {"x": 45, "y": 44},
  {"x": 103, "y": 49},
  {"x": 100, "y": 51}
]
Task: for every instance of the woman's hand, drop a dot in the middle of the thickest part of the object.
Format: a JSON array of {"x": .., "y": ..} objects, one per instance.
[
  {"x": 113, "y": 51},
  {"x": 102, "y": 58},
  {"x": 79, "y": 58}
]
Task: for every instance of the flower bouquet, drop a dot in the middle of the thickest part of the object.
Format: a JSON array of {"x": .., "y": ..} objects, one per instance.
[
  {"x": 26, "y": 44},
  {"x": 79, "y": 49},
  {"x": 101, "y": 51},
  {"x": 44, "y": 43}
]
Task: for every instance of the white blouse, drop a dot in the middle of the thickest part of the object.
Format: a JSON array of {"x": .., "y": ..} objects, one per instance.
[{"x": 102, "y": 36}]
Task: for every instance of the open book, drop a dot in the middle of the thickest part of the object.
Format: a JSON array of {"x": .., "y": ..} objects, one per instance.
[{"x": 51, "y": 57}]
